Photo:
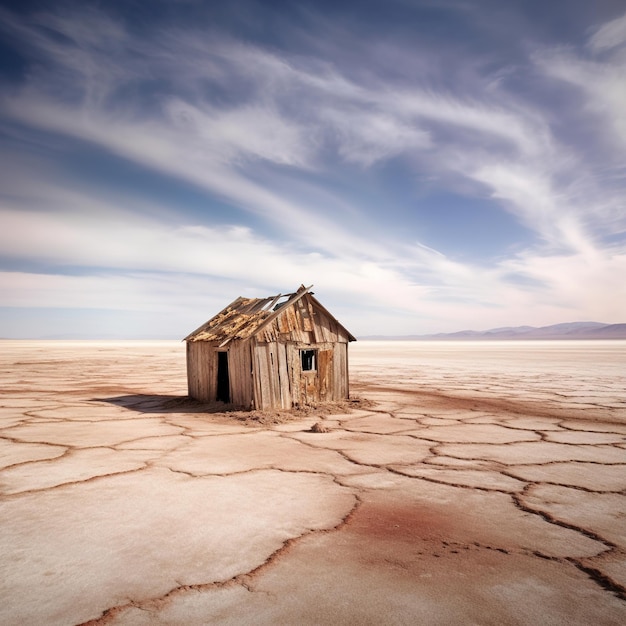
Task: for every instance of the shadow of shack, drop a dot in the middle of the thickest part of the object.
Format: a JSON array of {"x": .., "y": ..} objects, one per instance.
[{"x": 276, "y": 352}]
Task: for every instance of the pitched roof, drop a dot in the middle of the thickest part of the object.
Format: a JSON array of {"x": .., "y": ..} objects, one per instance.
[
  {"x": 241, "y": 319},
  {"x": 245, "y": 317}
]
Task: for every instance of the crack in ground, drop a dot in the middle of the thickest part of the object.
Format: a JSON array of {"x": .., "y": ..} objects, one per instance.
[
  {"x": 244, "y": 580},
  {"x": 430, "y": 479},
  {"x": 18, "y": 494},
  {"x": 557, "y": 522},
  {"x": 600, "y": 578}
]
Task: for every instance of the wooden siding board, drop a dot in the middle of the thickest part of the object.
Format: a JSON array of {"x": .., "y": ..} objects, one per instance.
[
  {"x": 309, "y": 387},
  {"x": 265, "y": 392},
  {"x": 322, "y": 326},
  {"x": 200, "y": 371},
  {"x": 284, "y": 378},
  {"x": 326, "y": 379},
  {"x": 256, "y": 381},
  {"x": 292, "y": 318},
  {"x": 341, "y": 371},
  {"x": 235, "y": 367},
  {"x": 274, "y": 378},
  {"x": 240, "y": 367},
  {"x": 336, "y": 378},
  {"x": 248, "y": 398},
  {"x": 305, "y": 322},
  {"x": 311, "y": 319},
  {"x": 282, "y": 322},
  {"x": 293, "y": 365}
]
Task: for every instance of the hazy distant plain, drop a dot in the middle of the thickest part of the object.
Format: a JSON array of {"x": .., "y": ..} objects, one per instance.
[{"x": 586, "y": 378}]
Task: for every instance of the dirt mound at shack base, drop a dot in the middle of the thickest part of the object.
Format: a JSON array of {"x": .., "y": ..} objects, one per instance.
[{"x": 281, "y": 416}]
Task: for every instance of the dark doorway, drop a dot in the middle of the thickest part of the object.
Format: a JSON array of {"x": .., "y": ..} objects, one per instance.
[{"x": 223, "y": 381}]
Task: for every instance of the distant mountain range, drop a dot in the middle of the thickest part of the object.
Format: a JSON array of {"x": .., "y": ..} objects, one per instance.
[{"x": 570, "y": 330}]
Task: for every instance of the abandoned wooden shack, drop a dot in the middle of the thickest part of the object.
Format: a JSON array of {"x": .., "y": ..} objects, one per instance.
[{"x": 276, "y": 352}]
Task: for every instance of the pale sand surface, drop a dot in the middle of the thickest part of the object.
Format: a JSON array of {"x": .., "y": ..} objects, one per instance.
[{"x": 485, "y": 484}]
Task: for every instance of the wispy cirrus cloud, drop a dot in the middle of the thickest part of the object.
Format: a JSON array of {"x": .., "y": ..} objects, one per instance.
[
  {"x": 609, "y": 36},
  {"x": 598, "y": 71},
  {"x": 296, "y": 142}
]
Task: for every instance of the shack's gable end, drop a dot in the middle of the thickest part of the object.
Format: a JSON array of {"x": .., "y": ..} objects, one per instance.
[{"x": 305, "y": 322}]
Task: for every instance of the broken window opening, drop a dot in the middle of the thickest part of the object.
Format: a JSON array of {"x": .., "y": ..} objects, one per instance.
[
  {"x": 281, "y": 302},
  {"x": 308, "y": 359}
]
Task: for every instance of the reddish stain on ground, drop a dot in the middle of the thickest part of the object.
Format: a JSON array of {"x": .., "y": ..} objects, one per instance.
[{"x": 399, "y": 523}]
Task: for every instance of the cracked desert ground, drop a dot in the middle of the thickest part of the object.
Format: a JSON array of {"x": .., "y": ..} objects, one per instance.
[{"x": 482, "y": 483}]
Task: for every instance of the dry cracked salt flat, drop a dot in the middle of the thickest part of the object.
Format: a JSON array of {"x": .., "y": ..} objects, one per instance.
[{"x": 484, "y": 484}]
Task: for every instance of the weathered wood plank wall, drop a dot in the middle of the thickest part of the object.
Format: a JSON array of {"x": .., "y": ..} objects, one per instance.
[{"x": 201, "y": 371}]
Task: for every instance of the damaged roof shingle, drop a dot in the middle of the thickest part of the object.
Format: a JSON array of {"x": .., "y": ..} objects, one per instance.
[{"x": 244, "y": 317}]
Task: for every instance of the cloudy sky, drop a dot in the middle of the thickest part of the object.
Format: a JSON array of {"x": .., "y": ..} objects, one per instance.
[{"x": 429, "y": 165}]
